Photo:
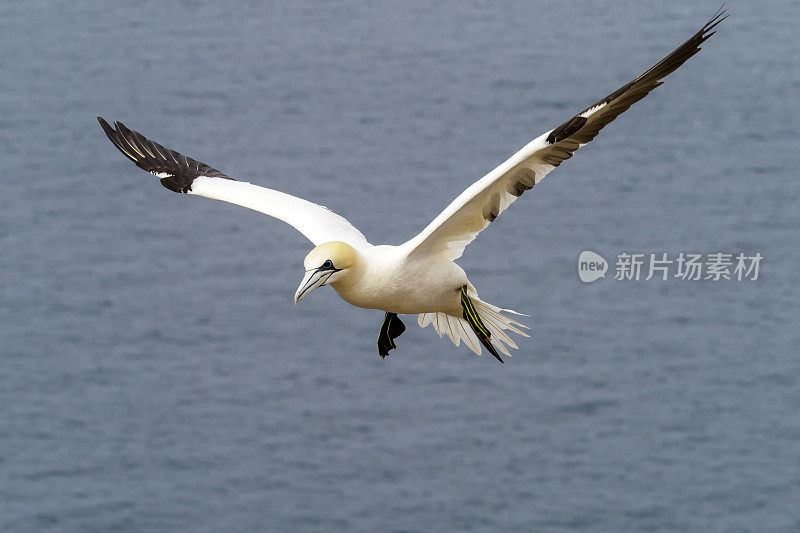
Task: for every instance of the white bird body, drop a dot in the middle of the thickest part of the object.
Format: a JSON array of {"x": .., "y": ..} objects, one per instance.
[
  {"x": 386, "y": 278},
  {"x": 420, "y": 276}
]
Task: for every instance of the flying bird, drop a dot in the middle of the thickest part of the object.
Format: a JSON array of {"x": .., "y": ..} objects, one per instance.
[{"x": 419, "y": 276}]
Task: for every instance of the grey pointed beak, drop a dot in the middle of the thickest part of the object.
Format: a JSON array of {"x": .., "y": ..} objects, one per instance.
[{"x": 312, "y": 280}]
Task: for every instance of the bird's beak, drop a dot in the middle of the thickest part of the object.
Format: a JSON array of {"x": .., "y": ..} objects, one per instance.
[{"x": 312, "y": 280}]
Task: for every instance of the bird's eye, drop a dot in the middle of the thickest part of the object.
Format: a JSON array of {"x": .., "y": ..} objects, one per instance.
[{"x": 327, "y": 264}]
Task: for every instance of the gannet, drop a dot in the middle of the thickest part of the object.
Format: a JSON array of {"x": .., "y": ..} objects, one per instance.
[{"x": 419, "y": 276}]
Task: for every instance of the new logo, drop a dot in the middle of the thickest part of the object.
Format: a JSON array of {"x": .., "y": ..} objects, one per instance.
[{"x": 591, "y": 266}]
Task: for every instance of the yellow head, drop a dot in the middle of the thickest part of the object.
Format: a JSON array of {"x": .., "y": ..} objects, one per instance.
[{"x": 324, "y": 265}]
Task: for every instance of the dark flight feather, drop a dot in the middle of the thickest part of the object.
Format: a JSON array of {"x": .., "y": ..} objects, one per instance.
[{"x": 148, "y": 155}]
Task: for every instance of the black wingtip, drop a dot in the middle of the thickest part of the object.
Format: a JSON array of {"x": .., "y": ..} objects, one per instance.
[
  {"x": 177, "y": 172},
  {"x": 121, "y": 128},
  {"x": 115, "y": 138},
  {"x": 103, "y": 124},
  {"x": 106, "y": 126},
  {"x": 719, "y": 16}
]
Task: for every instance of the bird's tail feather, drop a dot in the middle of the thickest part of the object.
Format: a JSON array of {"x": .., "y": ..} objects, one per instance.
[{"x": 493, "y": 317}]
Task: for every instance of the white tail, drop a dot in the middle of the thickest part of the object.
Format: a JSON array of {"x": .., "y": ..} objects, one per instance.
[{"x": 492, "y": 317}]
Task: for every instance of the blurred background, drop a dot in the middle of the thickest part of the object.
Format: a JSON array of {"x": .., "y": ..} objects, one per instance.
[{"x": 156, "y": 376}]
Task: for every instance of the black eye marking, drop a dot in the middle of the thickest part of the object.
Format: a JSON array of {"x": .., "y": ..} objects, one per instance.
[{"x": 327, "y": 264}]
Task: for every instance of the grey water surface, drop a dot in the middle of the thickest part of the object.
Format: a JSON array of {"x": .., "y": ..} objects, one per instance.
[{"x": 155, "y": 376}]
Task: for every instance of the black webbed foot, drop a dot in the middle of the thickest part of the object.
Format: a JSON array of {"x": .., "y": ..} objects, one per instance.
[
  {"x": 475, "y": 322},
  {"x": 391, "y": 328}
]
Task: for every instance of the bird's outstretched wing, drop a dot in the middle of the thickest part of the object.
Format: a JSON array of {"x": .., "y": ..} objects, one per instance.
[
  {"x": 472, "y": 211},
  {"x": 185, "y": 175}
]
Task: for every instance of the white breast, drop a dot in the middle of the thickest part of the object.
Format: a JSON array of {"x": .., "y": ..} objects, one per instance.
[{"x": 386, "y": 279}]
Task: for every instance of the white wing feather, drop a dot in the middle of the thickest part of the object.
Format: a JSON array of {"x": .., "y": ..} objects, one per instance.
[
  {"x": 318, "y": 223},
  {"x": 183, "y": 174},
  {"x": 474, "y": 209}
]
